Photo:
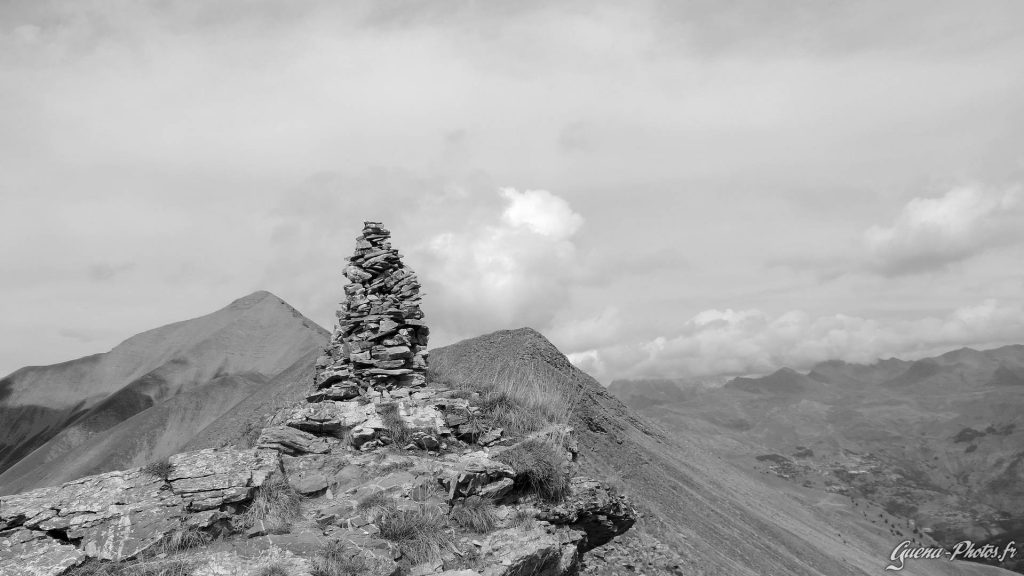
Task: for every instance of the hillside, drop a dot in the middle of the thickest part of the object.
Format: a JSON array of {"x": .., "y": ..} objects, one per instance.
[
  {"x": 111, "y": 410},
  {"x": 935, "y": 444}
]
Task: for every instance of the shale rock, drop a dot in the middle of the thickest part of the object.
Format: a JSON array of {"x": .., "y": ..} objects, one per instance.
[
  {"x": 292, "y": 441},
  {"x": 593, "y": 509},
  {"x": 120, "y": 514},
  {"x": 540, "y": 551},
  {"x": 31, "y": 553}
]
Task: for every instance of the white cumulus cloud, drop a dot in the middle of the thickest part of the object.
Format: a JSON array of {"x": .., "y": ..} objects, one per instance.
[
  {"x": 509, "y": 268},
  {"x": 541, "y": 212},
  {"x": 930, "y": 233}
]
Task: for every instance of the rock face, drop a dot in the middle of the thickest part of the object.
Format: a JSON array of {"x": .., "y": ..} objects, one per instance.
[
  {"x": 121, "y": 514},
  {"x": 380, "y": 337}
]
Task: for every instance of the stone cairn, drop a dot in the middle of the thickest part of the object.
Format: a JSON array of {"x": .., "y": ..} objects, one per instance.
[{"x": 379, "y": 343}]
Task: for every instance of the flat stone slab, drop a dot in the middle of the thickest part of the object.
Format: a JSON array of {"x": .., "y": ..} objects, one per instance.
[
  {"x": 30, "y": 553},
  {"x": 120, "y": 514}
]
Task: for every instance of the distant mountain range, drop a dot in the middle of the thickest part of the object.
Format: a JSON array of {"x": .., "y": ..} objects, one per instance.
[
  {"x": 149, "y": 396},
  {"x": 938, "y": 441}
]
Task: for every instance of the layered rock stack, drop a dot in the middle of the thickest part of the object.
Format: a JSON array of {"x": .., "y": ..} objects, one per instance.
[{"x": 381, "y": 337}]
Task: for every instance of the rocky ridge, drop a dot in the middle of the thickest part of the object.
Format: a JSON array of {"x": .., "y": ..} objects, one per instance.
[{"x": 374, "y": 443}]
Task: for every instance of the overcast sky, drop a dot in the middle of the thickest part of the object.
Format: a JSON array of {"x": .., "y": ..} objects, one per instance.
[{"x": 663, "y": 189}]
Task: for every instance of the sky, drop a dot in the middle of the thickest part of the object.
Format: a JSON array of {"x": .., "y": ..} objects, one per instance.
[{"x": 663, "y": 189}]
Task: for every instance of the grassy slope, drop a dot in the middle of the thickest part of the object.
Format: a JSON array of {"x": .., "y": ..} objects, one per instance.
[{"x": 252, "y": 413}]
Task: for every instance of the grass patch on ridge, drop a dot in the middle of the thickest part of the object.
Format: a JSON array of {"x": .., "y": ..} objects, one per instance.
[
  {"x": 475, "y": 513},
  {"x": 274, "y": 507},
  {"x": 522, "y": 397},
  {"x": 420, "y": 533},
  {"x": 540, "y": 468}
]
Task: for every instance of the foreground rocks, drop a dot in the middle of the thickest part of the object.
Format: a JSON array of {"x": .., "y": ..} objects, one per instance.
[
  {"x": 122, "y": 514},
  {"x": 130, "y": 514}
]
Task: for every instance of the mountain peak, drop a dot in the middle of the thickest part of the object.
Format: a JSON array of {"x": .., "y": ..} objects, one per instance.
[{"x": 252, "y": 299}]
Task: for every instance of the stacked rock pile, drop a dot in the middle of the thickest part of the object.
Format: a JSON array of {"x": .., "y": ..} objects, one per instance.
[{"x": 381, "y": 336}]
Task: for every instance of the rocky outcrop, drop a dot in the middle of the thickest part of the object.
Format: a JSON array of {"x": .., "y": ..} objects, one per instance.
[
  {"x": 121, "y": 514},
  {"x": 381, "y": 337},
  {"x": 594, "y": 509},
  {"x": 372, "y": 447}
]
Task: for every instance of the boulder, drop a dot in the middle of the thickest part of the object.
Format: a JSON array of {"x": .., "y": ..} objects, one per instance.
[
  {"x": 292, "y": 441},
  {"x": 31, "y": 553},
  {"x": 206, "y": 479},
  {"x": 538, "y": 551},
  {"x": 593, "y": 509},
  {"x": 120, "y": 514}
]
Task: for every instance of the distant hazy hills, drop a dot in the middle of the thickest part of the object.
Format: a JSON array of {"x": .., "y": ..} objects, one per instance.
[
  {"x": 147, "y": 397},
  {"x": 939, "y": 441}
]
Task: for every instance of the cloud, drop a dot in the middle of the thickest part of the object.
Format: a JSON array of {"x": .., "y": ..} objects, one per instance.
[
  {"x": 541, "y": 212},
  {"x": 931, "y": 233},
  {"x": 489, "y": 257},
  {"x": 503, "y": 269},
  {"x": 751, "y": 341}
]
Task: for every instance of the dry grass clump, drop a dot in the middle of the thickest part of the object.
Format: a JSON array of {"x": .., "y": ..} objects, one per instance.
[
  {"x": 275, "y": 569},
  {"x": 420, "y": 532},
  {"x": 521, "y": 397},
  {"x": 184, "y": 539},
  {"x": 522, "y": 518},
  {"x": 503, "y": 410},
  {"x": 160, "y": 468},
  {"x": 397, "y": 430},
  {"x": 539, "y": 467},
  {"x": 475, "y": 513},
  {"x": 337, "y": 559},
  {"x": 426, "y": 489},
  {"x": 274, "y": 507}
]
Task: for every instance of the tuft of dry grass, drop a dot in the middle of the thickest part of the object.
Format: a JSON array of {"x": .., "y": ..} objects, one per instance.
[
  {"x": 274, "y": 569},
  {"x": 540, "y": 468},
  {"x": 503, "y": 410},
  {"x": 420, "y": 533},
  {"x": 475, "y": 513},
  {"x": 274, "y": 507},
  {"x": 521, "y": 397},
  {"x": 160, "y": 468},
  {"x": 337, "y": 559},
  {"x": 397, "y": 430},
  {"x": 522, "y": 518},
  {"x": 427, "y": 488},
  {"x": 184, "y": 539}
]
